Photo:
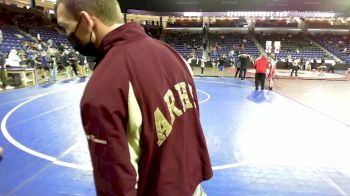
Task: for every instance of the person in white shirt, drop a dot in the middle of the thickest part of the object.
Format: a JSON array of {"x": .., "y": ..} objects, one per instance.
[
  {"x": 272, "y": 66},
  {"x": 13, "y": 59}
]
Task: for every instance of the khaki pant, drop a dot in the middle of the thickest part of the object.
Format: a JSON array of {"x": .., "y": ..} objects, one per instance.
[
  {"x": 199, "y": 191},
  {"x": 82, "y": 70},
  {"x": 3, "y": 77}
]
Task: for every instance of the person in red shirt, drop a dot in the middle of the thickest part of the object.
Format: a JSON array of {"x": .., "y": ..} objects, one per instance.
[
  {"x": 139, "y": 110},
  {"x": 260, "y": 72}
]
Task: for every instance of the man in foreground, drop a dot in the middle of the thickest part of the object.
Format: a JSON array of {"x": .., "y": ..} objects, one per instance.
[{"x": 139, "y": 110}]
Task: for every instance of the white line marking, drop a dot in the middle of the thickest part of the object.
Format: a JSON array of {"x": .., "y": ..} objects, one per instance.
[
  {"x": 330, "y": 182},
  {"x": 13, "y": 101},
  {"x": 208, "y": 96},
  {"x": 56, "y": 160},
  {"x": 226, "y": 83},
  {"x": 52, "y": 159},
  {"x": 42, "y": 114},
  {"x": 230, "y": 166}
]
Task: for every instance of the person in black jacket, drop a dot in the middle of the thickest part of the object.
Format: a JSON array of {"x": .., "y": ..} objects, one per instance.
[
  {"x": 222, "y": 61},
  {"x": 245, "y": 62},
  {"x": 73, "y": 60}
]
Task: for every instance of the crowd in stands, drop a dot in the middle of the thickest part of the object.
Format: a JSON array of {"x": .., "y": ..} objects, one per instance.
[
  {"x": 29, "y": 40},
  {"x": 186, "y": 43},
  {"x": 153, "y": 31},
  {"x": 293, "y": 46},
  {"x": 231, "y": 44},
  {"x": 336, "y": 44},
  {"x": 152, "y": 28}
]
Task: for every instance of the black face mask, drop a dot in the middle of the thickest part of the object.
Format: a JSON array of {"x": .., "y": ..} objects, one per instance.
[{"x": 86, "y": 50}]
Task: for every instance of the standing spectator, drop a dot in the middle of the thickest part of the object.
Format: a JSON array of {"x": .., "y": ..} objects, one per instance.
[
  {"x": 1, "y": 38},
  {"x": 66, "y": 64},
  {"x": 82, "y": 65},
  {"x": 91, "y": 62},
  {"x": 203, "y": 61},
  {"x": 245, "y": 62},
  {"x": 52, "y": 68},
  {"x": 3, "y": 74},
  {"x": 139, "y": 109},
  {"x": 273, "y": 64},
  {"x": 221, "y": 65},
  {"x": 260, "y": 72},
  {"x": 314, "y": 64},
  {"x": 302, "y": 63},
  {"x": 73, "y": 61},
  {"x": 331, "y": 67},
  {"x": 189, "y": 61},
  {"x": 44, "y": 66},
  {"x": 238, "y": 68},
  {"x": 295, "y": 67}
]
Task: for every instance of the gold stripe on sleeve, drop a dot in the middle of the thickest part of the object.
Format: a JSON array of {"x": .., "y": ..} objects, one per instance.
[{"x": 134, "y": 130}]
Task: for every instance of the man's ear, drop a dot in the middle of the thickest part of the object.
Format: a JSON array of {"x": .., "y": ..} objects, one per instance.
[{"x": 87, "y": 20}]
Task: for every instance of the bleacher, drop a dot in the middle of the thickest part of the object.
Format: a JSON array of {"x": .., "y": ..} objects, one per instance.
[
  {"x": 185, "y": 42},
  {"x": 47, "y": 34},
  {"x": 12, "y": 38},
  {"x": 294, "y": 45},
  {"x": 335, "y": 44},
  {"x": 228, "y": 41}
]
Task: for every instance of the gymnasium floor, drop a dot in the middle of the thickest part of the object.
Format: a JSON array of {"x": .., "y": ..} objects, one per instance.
[{"x": 260, "y": 142}]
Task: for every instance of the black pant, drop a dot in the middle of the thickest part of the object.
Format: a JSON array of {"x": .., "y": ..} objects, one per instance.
[
  {"x": 260, "y": 79},
  {"x": 74, "y": 67},
  {"x": 202, "y": 70},
  {"x": 3, "y": 77},
  {"x": 331, "y": 68},
  {"x": 243, "y": 72},
  {"x": 294, "y": 68},
  {"x": 238, "y": 71}
]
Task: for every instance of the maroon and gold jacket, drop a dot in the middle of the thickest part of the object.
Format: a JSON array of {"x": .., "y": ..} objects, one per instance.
[{"x": 140, "y": 113}]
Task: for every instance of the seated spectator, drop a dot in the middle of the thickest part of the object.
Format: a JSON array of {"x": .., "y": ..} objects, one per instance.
[{"x": 13, "y": 59}]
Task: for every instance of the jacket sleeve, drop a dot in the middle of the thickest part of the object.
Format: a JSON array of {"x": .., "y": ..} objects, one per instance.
[{"x": 104, "y": 111}]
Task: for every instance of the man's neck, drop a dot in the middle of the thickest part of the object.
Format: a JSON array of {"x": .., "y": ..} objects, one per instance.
[{"x": 104, "y": 30}]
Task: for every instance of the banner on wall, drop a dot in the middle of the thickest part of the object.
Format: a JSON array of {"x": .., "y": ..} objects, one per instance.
[
  {"x": 277, "y": 46},
  {"x": 268, "y": 48}
]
